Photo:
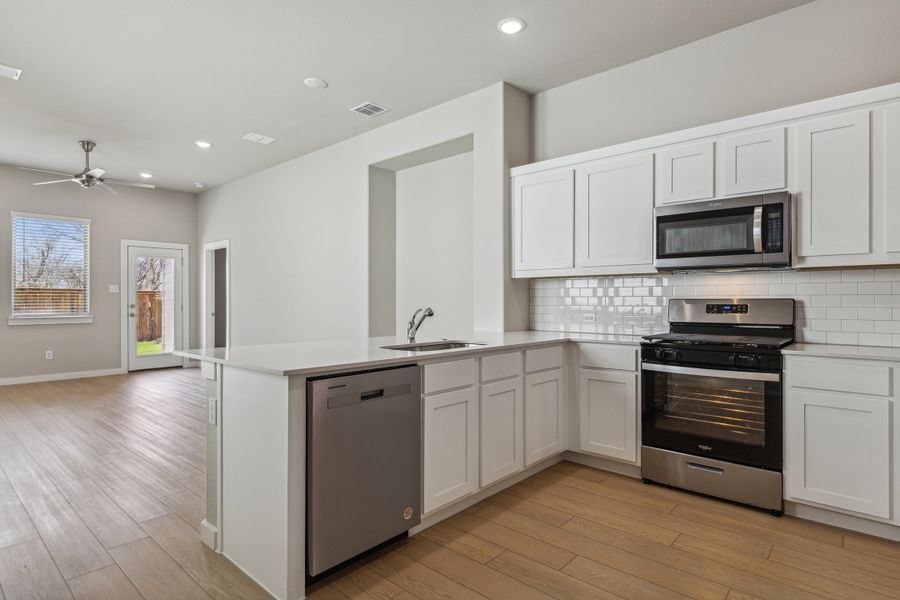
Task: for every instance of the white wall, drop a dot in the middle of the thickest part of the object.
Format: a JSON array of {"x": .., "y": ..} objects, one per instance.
[
  {"x": 814, "y": 51},
  {"x": 299, "y": 231},
  {"x": 150, "y": 215},
  {"x": 434, "y": 251}
]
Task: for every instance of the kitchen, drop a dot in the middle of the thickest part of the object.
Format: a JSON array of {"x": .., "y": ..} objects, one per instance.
[{"x": 496, "y": 348}]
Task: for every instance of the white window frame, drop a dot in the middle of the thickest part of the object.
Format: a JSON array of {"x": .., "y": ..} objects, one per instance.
[{"x": 67, "y": 319}]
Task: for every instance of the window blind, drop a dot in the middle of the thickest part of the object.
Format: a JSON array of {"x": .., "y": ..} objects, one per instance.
[{"x": 51, "y": 265}]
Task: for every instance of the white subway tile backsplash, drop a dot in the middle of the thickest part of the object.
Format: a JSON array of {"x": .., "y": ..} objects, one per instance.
[
  {"x": 858, "y": 275},
  {"x": 852, "y": 306},
  {"x": 843, "y": 288}
]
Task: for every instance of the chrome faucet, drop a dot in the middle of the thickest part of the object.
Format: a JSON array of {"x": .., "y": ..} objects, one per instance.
[{"x": 415, "y": 322}]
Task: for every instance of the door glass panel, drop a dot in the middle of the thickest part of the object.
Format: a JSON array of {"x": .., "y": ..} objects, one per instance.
[
  {"x": 705, "y": 236},
  {"x": 720, "y": 408},
  {"x": 155, "y": 310}
]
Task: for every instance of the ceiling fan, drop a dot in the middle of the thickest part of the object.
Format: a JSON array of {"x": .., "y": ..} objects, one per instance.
[{"x": 89, "y": 178}]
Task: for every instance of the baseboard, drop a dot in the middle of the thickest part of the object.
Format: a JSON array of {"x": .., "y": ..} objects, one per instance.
[
  {"x": 604, "y": 464},
  {"x": 60, "y": 376},
  {"x": 842, "y": 520},
  {"x": 209, "y": 534},
  {"x": 476, "y": 497}
]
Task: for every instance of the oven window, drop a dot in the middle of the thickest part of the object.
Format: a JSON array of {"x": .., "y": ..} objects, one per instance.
[
  {"x": 711, "y": 407},
  {"x": 731, "y": 234}
]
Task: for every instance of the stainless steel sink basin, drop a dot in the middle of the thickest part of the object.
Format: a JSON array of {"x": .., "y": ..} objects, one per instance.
[{"x": 432, "y": 346}]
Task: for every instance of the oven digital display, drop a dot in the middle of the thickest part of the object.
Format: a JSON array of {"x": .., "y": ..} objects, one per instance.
[{"x": 727, "y": 309}]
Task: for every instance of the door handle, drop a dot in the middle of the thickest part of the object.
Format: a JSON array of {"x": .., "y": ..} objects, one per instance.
[
  {"x": 757, "y": 229},
  {"x": 706, "y": 468},
  {"x": 130, "y": 314}
]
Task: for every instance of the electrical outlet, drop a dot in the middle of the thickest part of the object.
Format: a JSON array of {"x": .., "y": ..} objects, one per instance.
[
  {"x": 48, "y": 355},
  {"x": 113, "y": 289},
  {"x": 588, "y": 317}
]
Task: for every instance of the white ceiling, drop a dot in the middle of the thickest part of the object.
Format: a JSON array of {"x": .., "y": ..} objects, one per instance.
[{"x": 144, "y": 79}]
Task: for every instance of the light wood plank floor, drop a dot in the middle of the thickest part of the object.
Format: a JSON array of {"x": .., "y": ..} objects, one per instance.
[{"x": 101, "y": 485}]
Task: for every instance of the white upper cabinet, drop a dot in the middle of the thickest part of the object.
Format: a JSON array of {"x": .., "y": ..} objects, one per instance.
[
  {"x": 833, "y": 201},
  {"x": 753, "y": 162},
  {"x": 685, "y": 173},
  {"x": 890, "y": 170},
  {"x": 543, "y": 220},
  {"x": 614, "y": 212}
]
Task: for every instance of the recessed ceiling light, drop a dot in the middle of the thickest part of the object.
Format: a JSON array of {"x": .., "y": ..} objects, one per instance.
[
  {"x": 146, "y": 175},
  {"x": 315, "y": 83},
  {"x": 511, "y": 25},
  {"x": 10, "y": 72},
  {"x": 203, "y": 144},
  {"x": 199, "y": 185}
]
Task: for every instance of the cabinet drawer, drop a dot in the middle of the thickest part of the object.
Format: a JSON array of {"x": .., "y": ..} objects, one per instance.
[
  {"x": 501, "y": 366},
  {"x": 839, "y": 376},
  {"x": 448, "y": 375},
  {"x": 603, "y": 356},
  {"x": 541, "y": 359}
]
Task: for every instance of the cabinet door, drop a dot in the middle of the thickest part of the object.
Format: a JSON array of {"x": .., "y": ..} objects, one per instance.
[
  {"x": 608, "y": 405},
  {"x": 839, "y": 450},
  {"x": 544, "y": 414},
  {"x": 685, "y": 173},
  {"x": 614, "y": 212},
  {"x": 754, "y": 162},
  {"x": 543, "y": 219},
  {"x": 833, "y": 202},
  {"x": 501, "y": 406},
  {"x": 891, "y": 174},
  {"x": 450, "y": 441}
]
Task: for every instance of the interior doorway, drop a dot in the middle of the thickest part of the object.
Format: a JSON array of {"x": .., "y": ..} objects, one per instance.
[
  {"x": 217, "y": 294},
  {"x": 154, "y": 304}
]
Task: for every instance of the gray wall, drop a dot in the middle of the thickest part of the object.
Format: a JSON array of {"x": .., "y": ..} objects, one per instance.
[
  {"x": 814, "y": 51},
  {"x": 149, "y": 215}
]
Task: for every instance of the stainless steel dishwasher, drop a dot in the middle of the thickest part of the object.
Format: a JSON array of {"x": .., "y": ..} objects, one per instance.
[{"x": 363, "y": 463}]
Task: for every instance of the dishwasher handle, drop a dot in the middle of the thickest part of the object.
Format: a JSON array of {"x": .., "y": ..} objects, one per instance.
[{"x": 354, "y": 398}]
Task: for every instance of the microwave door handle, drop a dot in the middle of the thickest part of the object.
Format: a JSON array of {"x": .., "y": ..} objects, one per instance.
[
  {"x": 757, "y": 229},
  {"x": 745, "y": 375}
]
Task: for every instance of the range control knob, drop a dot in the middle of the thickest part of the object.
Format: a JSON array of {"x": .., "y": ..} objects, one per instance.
[{"x": 659, "y": 353}]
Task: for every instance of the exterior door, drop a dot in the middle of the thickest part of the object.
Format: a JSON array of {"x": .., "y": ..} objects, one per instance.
[{"x": 155, "y": 307}]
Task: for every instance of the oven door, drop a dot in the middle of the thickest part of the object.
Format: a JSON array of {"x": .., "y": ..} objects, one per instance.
[{"x": 723, "y": 414}]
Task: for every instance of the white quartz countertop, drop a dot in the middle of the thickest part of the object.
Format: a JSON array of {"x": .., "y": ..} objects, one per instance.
[
  {"x": 839, "y": 351},
  {"x": 307, "y": 358}
]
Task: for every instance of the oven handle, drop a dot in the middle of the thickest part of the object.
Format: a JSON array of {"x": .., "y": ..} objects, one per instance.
[
  {"x": 751, "y": 376},
  {"x": 757, "y": 229}
]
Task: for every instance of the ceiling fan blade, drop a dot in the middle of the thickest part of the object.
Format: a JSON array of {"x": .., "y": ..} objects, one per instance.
[
  {"x": 148, "y": 186},
  {"x": 98, "y": 173},
  {"x": 57, "y": 181},
  {"x": 106, "y": 188},
  {"x": 43, "y": 171}
]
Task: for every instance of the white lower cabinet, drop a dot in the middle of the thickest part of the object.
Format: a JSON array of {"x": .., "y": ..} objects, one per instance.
[
  {"x": 502, "y": 423},
  {"x": 608, "y": 413},
  {"x": 841, "y": 435},
  {"x": 450, "y": 434},
  {"x": 544, "y": 415},
  {"x": 839, "y": 450}
]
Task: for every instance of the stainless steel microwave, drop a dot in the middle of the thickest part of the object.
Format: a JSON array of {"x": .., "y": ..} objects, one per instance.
[{"x": 745, "y": 232}]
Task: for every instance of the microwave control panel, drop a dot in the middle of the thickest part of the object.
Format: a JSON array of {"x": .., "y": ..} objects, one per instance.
[{"x": 774, "y": 229}]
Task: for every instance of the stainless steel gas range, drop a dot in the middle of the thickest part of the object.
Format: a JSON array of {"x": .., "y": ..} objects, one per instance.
[{"x": 712, "y": 399}]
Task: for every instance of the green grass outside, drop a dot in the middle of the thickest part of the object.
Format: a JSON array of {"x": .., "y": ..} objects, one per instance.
[{"x": 144, "y": 348}]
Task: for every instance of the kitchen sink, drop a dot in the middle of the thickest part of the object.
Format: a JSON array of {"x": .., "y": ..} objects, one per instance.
[{"x": 432, "y": 346}]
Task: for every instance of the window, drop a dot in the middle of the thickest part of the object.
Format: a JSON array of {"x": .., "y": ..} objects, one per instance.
[{"x": 51, "y": 267}]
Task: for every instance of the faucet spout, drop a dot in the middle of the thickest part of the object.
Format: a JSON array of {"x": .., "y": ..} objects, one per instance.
[{"x": 416, "y": 321}]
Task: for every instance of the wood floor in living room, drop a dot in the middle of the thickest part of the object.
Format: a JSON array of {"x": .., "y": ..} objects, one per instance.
[{"x": 101, "y": 495}]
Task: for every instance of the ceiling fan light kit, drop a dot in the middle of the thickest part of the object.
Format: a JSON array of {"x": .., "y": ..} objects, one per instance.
[{"x": 89, "y": 178}]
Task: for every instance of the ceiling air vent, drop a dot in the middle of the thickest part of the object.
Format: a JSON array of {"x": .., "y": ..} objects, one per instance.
[
  {"x": 369, "y": 109},
  {"x": 259, "y": 138}
]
